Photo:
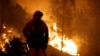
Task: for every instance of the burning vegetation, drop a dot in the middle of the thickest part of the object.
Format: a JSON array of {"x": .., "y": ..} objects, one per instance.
[
  {"x": 56, "y": 40},
  {"x": 61, "y": 42},
  {"x": 11, "y": 42}
]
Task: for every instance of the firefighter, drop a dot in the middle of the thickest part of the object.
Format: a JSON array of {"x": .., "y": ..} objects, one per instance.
[{"x": 36, "y": 32}]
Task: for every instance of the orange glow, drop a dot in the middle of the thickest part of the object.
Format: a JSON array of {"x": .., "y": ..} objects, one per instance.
[
  {"x": 56, "y": 40},
  {"x": 54, "y": 26},
  {"x": 9, "y": 31},
  {"x": 4, "y": 26},
  {"x": 65, "y": 44},
  {"x": 70, "y": 47},
  {"x": 5, "y": 37}
]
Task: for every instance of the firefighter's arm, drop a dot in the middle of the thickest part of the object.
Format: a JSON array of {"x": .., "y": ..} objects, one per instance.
[{"x": 46, "y": 34}]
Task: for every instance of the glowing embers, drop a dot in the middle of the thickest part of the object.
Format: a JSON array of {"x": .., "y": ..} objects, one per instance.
[
  {"x": 3, "y": 38},
  {"x": 6, "y": 35},
  {"x": 61, "y": 42}
]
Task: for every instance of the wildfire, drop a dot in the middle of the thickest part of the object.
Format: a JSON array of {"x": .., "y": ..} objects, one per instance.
[
  {"x": 56, "y": 40},
  {"x": 62, "y": 43},
  {"x": 5, "y": 37}
]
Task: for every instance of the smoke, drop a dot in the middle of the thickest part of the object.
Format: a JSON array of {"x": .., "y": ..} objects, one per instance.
[
  {"x": 78, "y": 17},
  {"x": 12, "y": 14},
  {"x": 87, "y": 26},
  {"x": 94, "y": 28},
  {"x": 31, "y": 6}
]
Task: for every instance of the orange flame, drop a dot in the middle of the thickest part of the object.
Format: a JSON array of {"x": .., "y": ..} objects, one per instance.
[
  {"x": 56, "y": 40},
  {"x": 5, "y": 37}
]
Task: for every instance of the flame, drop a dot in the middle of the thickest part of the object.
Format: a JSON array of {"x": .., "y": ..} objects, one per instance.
[
  {"x": 62, "y": 43},
  {"x": 70, "y": 47},
  {"x": 5, "y": 37},
  {"x": 55, "y": 26},
  {"x": 56, "y": 40},
  {"x": 4, "y": 26}
]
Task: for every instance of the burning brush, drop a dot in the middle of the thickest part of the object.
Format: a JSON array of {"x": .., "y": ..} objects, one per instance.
[
  {"x": 10, "y": 42},
  {"x": 62, "y": 43}
]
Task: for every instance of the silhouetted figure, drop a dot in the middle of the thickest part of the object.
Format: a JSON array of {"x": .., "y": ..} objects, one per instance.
[{"x": 36, "y": 32}]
